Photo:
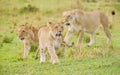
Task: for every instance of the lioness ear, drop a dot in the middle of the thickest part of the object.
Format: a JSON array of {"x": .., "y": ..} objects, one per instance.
[
  {"x": 65, "y": 13},
  {"x": 21, "y": 26}
]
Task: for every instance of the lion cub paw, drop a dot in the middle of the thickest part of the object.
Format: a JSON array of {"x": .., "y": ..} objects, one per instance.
[{"x": 55, "y": 61}]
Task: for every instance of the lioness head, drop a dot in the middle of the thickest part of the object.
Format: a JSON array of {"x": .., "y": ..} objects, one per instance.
[
  {"x": 71, "y": 17},
  {"x": 57, "y": 29},
  {"x": 24, "y": 32},
  {"x": 67, "y": 17}
]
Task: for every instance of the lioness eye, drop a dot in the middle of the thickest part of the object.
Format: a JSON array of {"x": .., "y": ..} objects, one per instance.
[{"x": 68, "y": 16}]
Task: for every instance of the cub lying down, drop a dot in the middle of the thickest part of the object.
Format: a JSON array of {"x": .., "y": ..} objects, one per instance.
[{"x": 50, "y": 37}]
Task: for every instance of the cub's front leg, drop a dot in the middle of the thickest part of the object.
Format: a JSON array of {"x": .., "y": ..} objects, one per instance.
[
  {"x": 54, "y": 57},
  {"x": 26, "y": 49},
  {"x": 42, "y": 55}
]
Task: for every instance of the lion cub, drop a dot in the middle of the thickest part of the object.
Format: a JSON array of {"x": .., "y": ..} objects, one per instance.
[
  {"x": 50, "y": 38},
  {"x": 29, "y": 35}
]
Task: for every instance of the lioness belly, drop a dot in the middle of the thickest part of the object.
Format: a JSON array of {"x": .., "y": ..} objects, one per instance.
[{"x": 92, "y": 23}]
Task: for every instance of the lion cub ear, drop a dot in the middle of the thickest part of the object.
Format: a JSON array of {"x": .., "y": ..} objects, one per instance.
[{"x": 49, "y": 24}]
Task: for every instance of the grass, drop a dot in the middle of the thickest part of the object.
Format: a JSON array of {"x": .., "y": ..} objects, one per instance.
[
  {"x": 94, "y": 66},
  {"x": 96, "y": 60}
]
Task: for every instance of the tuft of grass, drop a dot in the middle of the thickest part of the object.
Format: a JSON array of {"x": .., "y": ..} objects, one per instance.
[
  {"x": 87, "y": 39},
  {"x": 117, "y": 6},
  {"x": 111, "y": 27},
  {"x": 94, "y": 1},
  {"x": 33, "y": 48},
  {"x": 97, "y": 33},
  {"x": 20, "y": 57},
  {"x": 29, "y": 8},
  {"x": 7, "y": 39},
  {"x": 1, "y": 45}
]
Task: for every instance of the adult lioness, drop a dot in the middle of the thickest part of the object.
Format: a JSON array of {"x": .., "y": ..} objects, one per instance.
[
  {"x": 49, "y": 39},
  {"x": 88, "y": 22},
  {"x": 29, "y": 35}
]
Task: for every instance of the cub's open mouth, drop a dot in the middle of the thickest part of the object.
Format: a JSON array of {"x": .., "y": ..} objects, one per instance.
[{"x": 59, "y": 34}]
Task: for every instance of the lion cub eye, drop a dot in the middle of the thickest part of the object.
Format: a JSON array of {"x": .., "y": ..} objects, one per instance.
[
  {"x": 62, "y": 27},
  {"x": 23, "y": 31},
  {"x": 56, "y": 26}
]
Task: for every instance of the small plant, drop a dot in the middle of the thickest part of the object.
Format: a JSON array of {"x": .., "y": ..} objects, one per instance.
[
  {"x": 7, "y": 39},
  {"x": 87, "y": 39},
  {"x": 118, "y": 0},
  {"x": 1, "y": 45},
  {"x": 90, "y": 0},
  {"x": 33, "y": 48},
  {"x": 20, "y": 57},
  {"x": 111, "y": 26},
  {"x": 97, "y": 33},
  {"x": 29, "y": 8}
]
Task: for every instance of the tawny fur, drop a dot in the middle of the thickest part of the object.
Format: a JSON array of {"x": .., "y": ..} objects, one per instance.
[
  {"x": 49, "y": 41},
  {"x": 88, "y": 22},
  {"x": 29, "y": 35}
]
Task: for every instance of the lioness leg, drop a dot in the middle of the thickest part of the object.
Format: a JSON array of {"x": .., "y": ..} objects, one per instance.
[
  {"x": 80, "y": 38},
  {"x": 67, "y": 37},
  {"x": 26, "y": 49},
  {"x": 92, "y": 39},
  {"x": 54, "y": 57},
  {"x": 104, "y": 22},
  {"x": 42, "y": 55},
  {"x": 107, "y": 32}
]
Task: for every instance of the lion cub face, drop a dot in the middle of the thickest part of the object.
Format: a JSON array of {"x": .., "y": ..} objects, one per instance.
[
  {"x": 57, "y": 29},
  {"x": 23, "y": 32}
]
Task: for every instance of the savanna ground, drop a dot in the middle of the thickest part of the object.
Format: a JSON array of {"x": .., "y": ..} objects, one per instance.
[{"x": 99, "y": 59}]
